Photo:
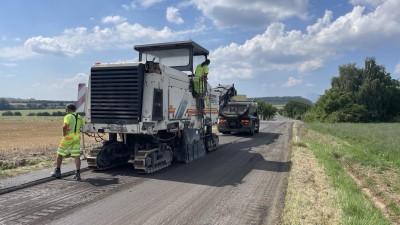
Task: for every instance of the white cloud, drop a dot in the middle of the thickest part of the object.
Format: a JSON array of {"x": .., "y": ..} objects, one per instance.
[
  {"x": 118, "y": 34},
  {"x": 43, "y": 45},
  {"x": 256, "y": 13},
  {"x": 173, "y": 15},
  {"x": 359, "y": 30},
  {"x": 132, "y": 5},
  {"x": 292, "y": 82},
  {"x": 5, "y": 38},
  {"x": 65, "y": 88},
  {"x": 278, "y": 49},
  {"x": 184, "y": 4},
  {"x": 148, "y": 3},
  {"x": 17, "y": 53},
  {"x": 113, "y": 19},
  {"x": 367, "y": 2},
  {"x": 69, "y": 84},
  {"x": 397, "y": 69},
  {"x": 310, "y": 65},
  {"x": 321, "y": 23},
  {"x": 142, "y": 3},
  {"x": 310, "y": 85},
  {"x": 275, "y": 49},
  {"x": 9, "y": 64}
]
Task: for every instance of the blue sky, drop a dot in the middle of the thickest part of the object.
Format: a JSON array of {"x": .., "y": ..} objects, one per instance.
[{"x": 264, "y": 47}]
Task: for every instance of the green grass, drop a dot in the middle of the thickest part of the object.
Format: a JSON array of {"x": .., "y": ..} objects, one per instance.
[
  {"x": 356, "y": 207},
  {"x": 375, "y": 145}
]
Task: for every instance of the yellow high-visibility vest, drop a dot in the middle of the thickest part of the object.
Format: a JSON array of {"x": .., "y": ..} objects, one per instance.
[{"x": 74, "y": 123}]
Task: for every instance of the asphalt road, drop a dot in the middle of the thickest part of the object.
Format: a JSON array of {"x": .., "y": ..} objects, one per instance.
[{"x": 243, "y": 182}]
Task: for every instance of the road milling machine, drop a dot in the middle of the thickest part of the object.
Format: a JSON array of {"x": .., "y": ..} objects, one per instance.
[{"x": 149, "y": 109}]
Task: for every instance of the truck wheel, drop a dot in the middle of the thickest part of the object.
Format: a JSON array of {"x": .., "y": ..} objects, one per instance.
[{"x": 252, "y": 130}]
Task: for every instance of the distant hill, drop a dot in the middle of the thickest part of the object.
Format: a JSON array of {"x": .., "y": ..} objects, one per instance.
[{"x": 283, "y": 100}]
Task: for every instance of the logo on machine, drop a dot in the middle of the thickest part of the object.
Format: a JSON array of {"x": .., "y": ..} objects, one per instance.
[{"x": 117, "y": 128}]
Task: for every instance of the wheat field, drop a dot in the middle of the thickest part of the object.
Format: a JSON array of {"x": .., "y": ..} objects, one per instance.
[{"x": 28, "y": 142}]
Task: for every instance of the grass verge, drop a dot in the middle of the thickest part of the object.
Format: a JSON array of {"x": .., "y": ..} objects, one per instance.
[{"x": 321, "y": 190}]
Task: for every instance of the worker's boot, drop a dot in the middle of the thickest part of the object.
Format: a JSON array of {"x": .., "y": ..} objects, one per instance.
[
  {"x": 56, "y": 173},
  {"x": 77, "y": 176}
]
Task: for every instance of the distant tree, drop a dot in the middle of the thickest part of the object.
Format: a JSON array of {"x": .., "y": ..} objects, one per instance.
[
  {"x": 5, "y": 105},
  {"x": 43, "y": 114},
  {"x": 7, "y": 113},
  {"x": 359, "y": 95},
  {"x": 17, "y": 113},
  {"x": 379, "y": 92},
  {"x": 58, "y": 113},
  {"x": 31, "y": 105},
  {"x": 283, "y": 100},
  {"x": 296, "y": 109},
  {"x": 336, "y": 106},
  {"x": 267, "y": 111}
]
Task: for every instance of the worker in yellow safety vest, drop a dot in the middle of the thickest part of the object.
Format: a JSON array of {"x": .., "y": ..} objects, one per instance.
[
  {"x": 200, "y": 76},
  {"x": 71, "y": 141}
]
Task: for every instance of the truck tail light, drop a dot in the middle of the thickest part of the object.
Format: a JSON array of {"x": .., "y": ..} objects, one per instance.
[
  {"x": 245, "y": 122},
  {"x": 221, "y": 121}
]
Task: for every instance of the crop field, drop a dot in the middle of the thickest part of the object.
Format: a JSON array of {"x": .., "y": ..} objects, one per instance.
[
  {"x": 30, "y": 143},
  {"x": 361, "y": 162}
]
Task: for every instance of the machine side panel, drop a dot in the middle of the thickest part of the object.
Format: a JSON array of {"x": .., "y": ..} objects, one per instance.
[{"x": 179, "y": 99}]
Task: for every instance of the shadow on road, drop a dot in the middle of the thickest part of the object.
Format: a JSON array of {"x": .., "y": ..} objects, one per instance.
[{"x": 228, "y": 165}]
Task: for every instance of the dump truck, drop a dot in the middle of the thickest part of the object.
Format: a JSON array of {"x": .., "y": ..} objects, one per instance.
[
  {"x": 239, "y": 115},
  {"x": 147, "y": 112}
]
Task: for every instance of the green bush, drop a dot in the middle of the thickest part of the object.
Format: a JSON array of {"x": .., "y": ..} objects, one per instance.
[
  {"x": 58, "y": 113},
  {"x": 7, "y": 113},
  {"x": 17, "y": 113},
  {"x": 43, "y": 114}
]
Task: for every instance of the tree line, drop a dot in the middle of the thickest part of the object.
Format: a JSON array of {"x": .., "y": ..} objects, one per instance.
[
  {"x": 294, "y": 106},
  {"x": 366, "y": 94},
  {"x": 18, "y": 113},
  {"x": 31, "y": 104},
  {"x": 283, "y": 100}
]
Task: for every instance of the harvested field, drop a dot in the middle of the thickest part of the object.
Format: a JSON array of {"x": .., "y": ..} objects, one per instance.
[{"x": 30, "y": 142}]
